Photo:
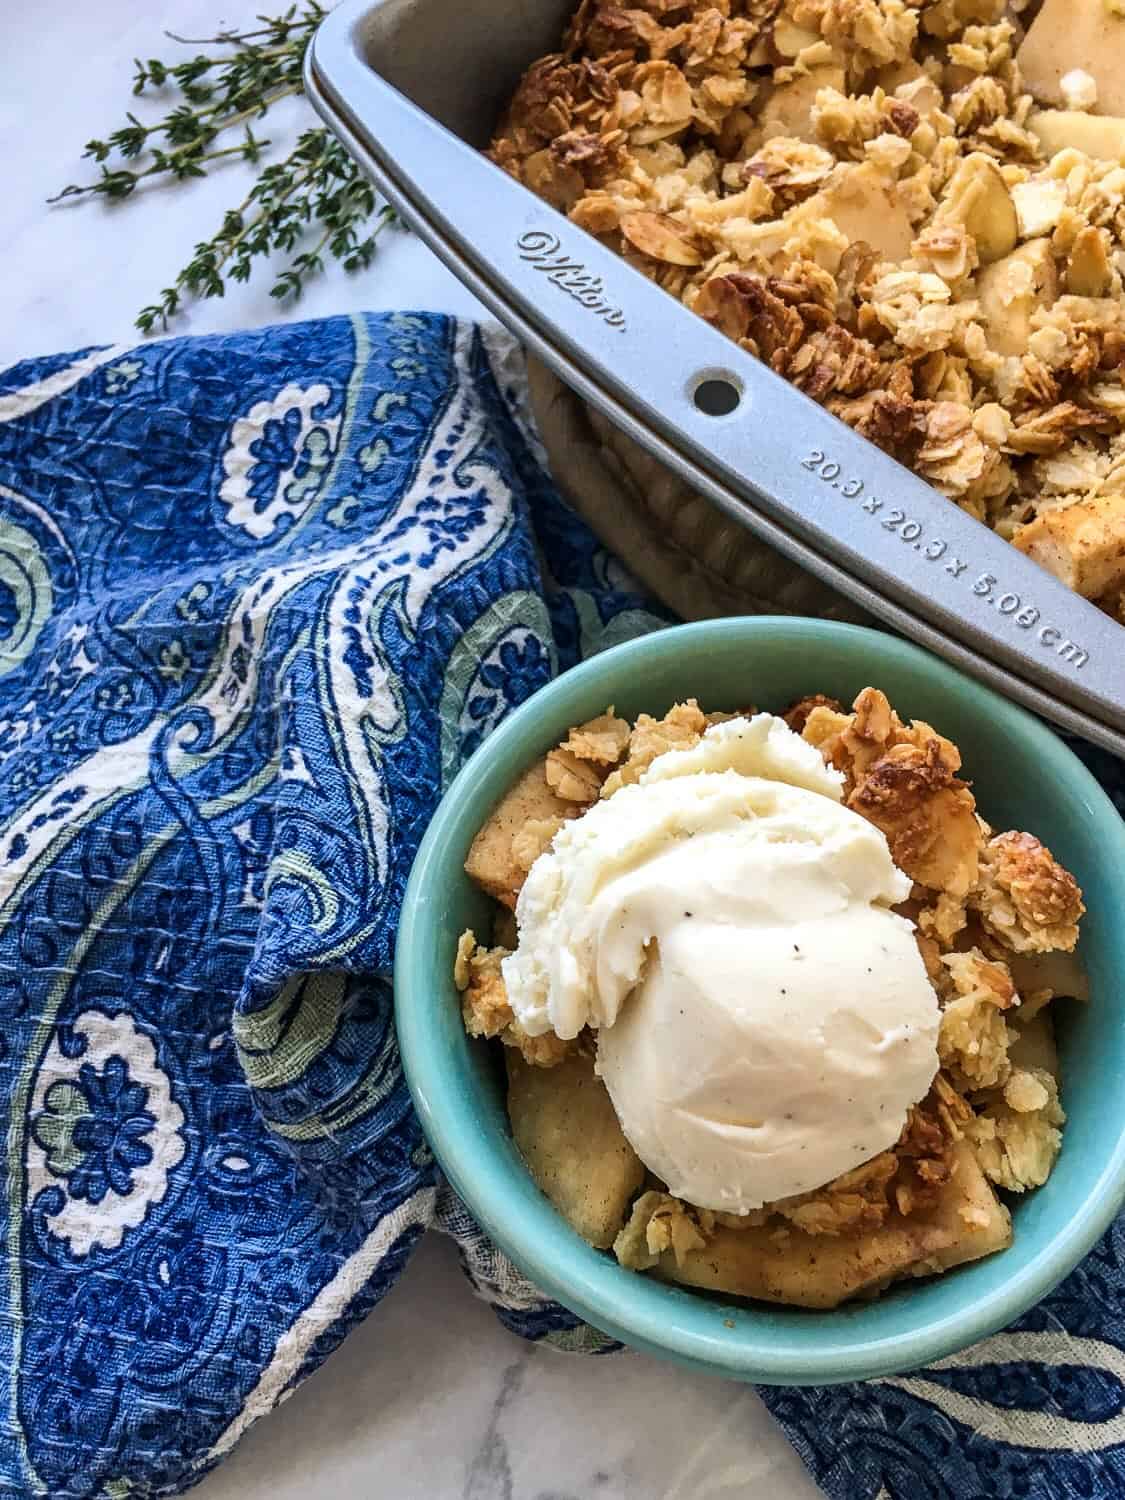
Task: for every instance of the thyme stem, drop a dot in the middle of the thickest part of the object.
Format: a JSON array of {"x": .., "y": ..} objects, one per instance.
[{"x": 316, "y": 189}]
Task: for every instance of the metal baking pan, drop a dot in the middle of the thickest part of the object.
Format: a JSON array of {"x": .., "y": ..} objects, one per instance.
[{"x": 414, "y": 88}]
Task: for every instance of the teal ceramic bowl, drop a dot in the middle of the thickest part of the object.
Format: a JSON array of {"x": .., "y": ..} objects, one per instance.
[{"x": 1023, "y": 777}]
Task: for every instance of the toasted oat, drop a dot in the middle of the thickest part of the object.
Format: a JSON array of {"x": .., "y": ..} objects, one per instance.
[
  {"x": 572, "y": 778},
  {"x": 924, "y": 1154},
  {"x": 484, "y": 999},
  {"x": 603, "y": 740},
  {"x": 485, "y": 1009},
  {"x": 789, "y": 167},
  {"x": 974, "y": 1038},
  {"x": 853, "y": 1202},
  {"x": 943, "y": 920},
  {"x": 659, "y": 1223},
  {"x": 466, "y": 947},
  {"x": 680, "y": 728},
  {"x": 797, "y": 714},
  {"x": 1017, "y": 1140},
  {"x": 1025, "y": 1091}
]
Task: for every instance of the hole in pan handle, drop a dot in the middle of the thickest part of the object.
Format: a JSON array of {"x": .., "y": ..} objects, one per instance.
[
  {"x": 672, "y": 373},
  {"x": 716, "y": 393}
]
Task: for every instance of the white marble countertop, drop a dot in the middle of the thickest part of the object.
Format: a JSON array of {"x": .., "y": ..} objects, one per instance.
[{"x": 430, "y": 1398}]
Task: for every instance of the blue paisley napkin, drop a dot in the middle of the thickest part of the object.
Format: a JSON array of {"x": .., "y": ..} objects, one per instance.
[{"x": 259, "y": 597}]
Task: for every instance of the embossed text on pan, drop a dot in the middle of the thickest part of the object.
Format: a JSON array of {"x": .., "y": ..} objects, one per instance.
[{"x": 985, "y": 585}]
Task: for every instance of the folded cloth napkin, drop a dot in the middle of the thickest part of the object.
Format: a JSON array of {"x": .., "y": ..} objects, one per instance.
[{"x": 259, "y": 597}]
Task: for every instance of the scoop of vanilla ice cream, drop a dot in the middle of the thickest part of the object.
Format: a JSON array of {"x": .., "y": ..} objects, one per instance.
[
  {"x": 750, "y": 1065},
  {"x": 765, "y": 1021},
  {"x": 570, "y": 970}
]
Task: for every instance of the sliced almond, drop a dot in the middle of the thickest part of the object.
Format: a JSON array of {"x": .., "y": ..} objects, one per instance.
[
  {"x": 1088, "y": 271},
  {"x": 550, "y": 179},
  {"x": 978, "y": 197},
  {"x": 862, "y": 203},
  {"x": 665, "y": 93},
  {"x": 662, "y": 238}
]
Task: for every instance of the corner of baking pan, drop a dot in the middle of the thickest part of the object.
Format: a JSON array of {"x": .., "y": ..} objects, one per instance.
[{"x": 390, "y": 135}]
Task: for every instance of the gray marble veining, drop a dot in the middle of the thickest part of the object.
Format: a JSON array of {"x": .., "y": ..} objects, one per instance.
[{"x": 432, "y": 1399}]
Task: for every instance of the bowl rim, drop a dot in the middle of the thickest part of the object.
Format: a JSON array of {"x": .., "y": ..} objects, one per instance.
[{"x": 481, "y": 1180}]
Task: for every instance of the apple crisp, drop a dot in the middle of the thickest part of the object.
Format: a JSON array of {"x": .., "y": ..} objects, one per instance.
[
  {"x": 912, "y": 209},
  {"x": 996, "y": 923}
]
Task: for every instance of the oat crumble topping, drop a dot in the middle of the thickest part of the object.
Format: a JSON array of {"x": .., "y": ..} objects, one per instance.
[{"x": 901, "y": 206}]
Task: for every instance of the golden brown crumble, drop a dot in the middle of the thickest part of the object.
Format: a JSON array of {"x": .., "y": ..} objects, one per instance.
[
  {"x": 903, "y": 778},
  {"x": 974, "y": 1038},
  {"x": 855, "y": 1201},
  {"x": 907, "y": 1180},
  {"x": 924, "y": 1153},
  {"x": 680, "y": 728},
  {"x": 797, "y": 716},
  {"x": 894, "y": 205},
  {"x": 1025, "y": 898},
  {"x": 1017, "y": 1134},
  {"x": 602, "y": 740},
  {"x": 573, "y": 779},
  {"x": 943, "y": 920},
  {"x": 659, "y": 1222},
  {"x": 485, "y": 1009},
  {"x": 577, "y": 768}
]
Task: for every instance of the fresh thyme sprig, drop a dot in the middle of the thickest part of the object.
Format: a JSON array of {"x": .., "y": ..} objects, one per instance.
[{"x": 316, "y": 187}]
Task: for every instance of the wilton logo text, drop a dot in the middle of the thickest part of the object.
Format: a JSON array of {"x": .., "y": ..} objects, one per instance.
[{"x": 544, "y": 252}]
